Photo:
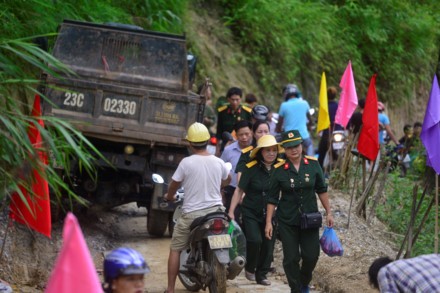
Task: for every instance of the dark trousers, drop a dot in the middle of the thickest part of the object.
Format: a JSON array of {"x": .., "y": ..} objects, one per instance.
[
  {"x": 299, "y": 245},
  {"x": 323, "y": 148},
  {"x": 259, "y": 249},
  {"x": 228, "y": 192}
]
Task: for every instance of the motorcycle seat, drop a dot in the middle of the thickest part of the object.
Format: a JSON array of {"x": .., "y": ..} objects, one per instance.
[{"x": 200, "y": 220}]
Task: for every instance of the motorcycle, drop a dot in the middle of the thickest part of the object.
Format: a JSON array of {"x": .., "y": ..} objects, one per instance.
[
  {"x": 338, "y": 143},
  {"x": 206, "y": 263}
]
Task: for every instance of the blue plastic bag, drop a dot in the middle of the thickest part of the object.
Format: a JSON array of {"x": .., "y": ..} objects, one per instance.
[{"x": 330, "y": 243}]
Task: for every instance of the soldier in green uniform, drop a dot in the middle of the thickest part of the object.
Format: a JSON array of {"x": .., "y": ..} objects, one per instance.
[
  {"x": 255, "y": 182},
  {"x": 259, "y": 129},
  {"x": 298, "y": 179},
  {"x": 230, "y": 114}
]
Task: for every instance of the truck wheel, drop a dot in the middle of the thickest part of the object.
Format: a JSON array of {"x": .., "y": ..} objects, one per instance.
[{"x": 157, "y": 222}]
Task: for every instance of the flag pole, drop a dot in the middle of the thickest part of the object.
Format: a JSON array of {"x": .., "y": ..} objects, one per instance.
[
  {"x": 353, "y": 190},
  {"x": 436, "y": 215}
]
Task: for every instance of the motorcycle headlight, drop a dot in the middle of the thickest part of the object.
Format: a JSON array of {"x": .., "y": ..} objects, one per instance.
[{"x": 338, "y": 137}]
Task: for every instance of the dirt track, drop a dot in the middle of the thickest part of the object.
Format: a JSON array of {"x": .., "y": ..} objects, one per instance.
[
  {"x": 28, "y": 257},
  {"x": 131, "y": 229}
]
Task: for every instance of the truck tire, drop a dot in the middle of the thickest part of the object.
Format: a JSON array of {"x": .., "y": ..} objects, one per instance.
[{"x": 157, "y": 222}]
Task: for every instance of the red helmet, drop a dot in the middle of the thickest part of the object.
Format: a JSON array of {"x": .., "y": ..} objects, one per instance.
[{"x": 380, "y": 106}]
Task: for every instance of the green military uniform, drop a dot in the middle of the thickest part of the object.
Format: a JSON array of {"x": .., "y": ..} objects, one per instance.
[
  {"x": 244, "y": 159},
  {"x": 255, "y": 181},
  {"x": 209, "y": 117},
  {"x": 298, "y": 191},
  {"x": 227, "y": 118}
]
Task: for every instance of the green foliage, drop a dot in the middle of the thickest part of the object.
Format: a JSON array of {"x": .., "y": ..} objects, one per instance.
[
  {"x": 24, "y": 18},
  {"x": 18, "y": 157},
  {"x": 395, "y": 211},
  {"x": 295, "y": 40}
]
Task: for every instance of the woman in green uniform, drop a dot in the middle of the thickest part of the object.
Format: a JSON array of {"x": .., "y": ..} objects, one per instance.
[
  {"x": 298, "y": 179},
  {"x": 259, "y": 129},
  {"x": 255, "y": 182}
]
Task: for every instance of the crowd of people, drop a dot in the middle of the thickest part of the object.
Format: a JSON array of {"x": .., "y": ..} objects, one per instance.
[{"x": 275, "y": 181}]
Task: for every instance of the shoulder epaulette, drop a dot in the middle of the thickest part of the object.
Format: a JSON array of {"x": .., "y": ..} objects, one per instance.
[
  {"x": 280, "y": 160},
  {"x": 251, "y": 164},
  {"x": 279, "y": 164},
  {"x": 248, "y": 149},
  {"x": 222, "y": 108},
  {"x": 311, "y": 158},
  {"x": 247, "y": 109}
]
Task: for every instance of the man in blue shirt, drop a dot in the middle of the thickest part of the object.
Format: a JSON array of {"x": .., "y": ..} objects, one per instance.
[
  {"x": 232, "y": 153},
  {"x": 384, "y": 125},
  {"x": 294, "y": 114}
]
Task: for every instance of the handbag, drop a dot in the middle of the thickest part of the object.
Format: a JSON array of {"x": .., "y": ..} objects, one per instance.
[{"x": 311, "y": 220}]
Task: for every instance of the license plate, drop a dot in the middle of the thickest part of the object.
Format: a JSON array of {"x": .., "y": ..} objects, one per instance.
[
  {"x": 220, "y": 241},
  {"x": 338, "y": 145}
]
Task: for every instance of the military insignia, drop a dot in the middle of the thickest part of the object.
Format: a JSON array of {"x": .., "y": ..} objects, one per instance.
[
  {"x": 222, "y": 108},
  {"x": 286, "y": 166},
  {"x": 279, "y": 164},
  {"x": 311, "y": 158},
  {"x": 248, "y": 149},
  {"x": 292, "y": 182},
  {"x": 238, "y": 118},
  {"x": 307, "y": 178},
  {"x": 306, "y": 161},
  {"x": 247, "y": 109},
  {"x": 290, "y": 135},
  {"x": 251, "y": 164}
]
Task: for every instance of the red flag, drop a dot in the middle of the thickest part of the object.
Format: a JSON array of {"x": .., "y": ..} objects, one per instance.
[
  {"x": 74, "y": 270},
  {"x": 35, "y": 212},
  {"x": 368, "y": 144}
]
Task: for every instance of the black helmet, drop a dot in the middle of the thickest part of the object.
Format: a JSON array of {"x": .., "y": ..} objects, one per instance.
[
  {"x": 260, "y": 112},
  {"x": 290, "y": 90}
]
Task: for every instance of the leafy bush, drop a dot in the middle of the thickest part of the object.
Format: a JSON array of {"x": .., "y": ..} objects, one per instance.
[
  {"x": 295, "y": 40},
  {"x": 396, "y": 211}
]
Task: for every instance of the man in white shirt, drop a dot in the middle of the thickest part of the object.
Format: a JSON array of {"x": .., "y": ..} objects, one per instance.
[{"x": 202, "y": 176}]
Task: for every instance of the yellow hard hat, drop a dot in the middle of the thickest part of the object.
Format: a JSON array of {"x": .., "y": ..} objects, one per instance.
[
  {"x": 197, "y": 132},
  {"x": 263, "y": 142}
]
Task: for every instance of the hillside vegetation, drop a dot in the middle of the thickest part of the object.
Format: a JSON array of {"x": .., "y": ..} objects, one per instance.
[
  {"x": 258, "y": 45},
  {"x": 282, "y": 41}
]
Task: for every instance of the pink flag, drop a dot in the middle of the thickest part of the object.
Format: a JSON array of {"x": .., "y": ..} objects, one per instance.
[
  {"x": 348, "y": 101},
  {"x": 74, "y": 270}
]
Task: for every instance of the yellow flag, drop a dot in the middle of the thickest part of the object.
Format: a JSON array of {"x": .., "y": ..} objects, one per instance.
[{"x": 323, "y": 116}]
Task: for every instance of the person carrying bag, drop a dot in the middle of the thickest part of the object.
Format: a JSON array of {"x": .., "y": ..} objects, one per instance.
[{"x": 299, "y": 179}]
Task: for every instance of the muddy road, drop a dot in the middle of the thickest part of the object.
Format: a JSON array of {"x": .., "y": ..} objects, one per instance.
[{"x": 129, "y": 229}]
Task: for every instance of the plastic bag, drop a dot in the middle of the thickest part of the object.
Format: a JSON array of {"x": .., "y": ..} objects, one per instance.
[
  {"x": 330, "y": 243},
  {"x": 238, "y": 240}
]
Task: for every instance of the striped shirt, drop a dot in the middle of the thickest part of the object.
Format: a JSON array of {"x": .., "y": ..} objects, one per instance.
[{"x": 419, "y": 274}]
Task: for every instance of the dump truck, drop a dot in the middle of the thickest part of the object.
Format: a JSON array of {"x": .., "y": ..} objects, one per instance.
[{"x": 129, "y": 93}]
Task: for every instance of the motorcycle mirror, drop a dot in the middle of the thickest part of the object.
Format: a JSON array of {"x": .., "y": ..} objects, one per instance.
[{"x": 157, "y": 179}]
